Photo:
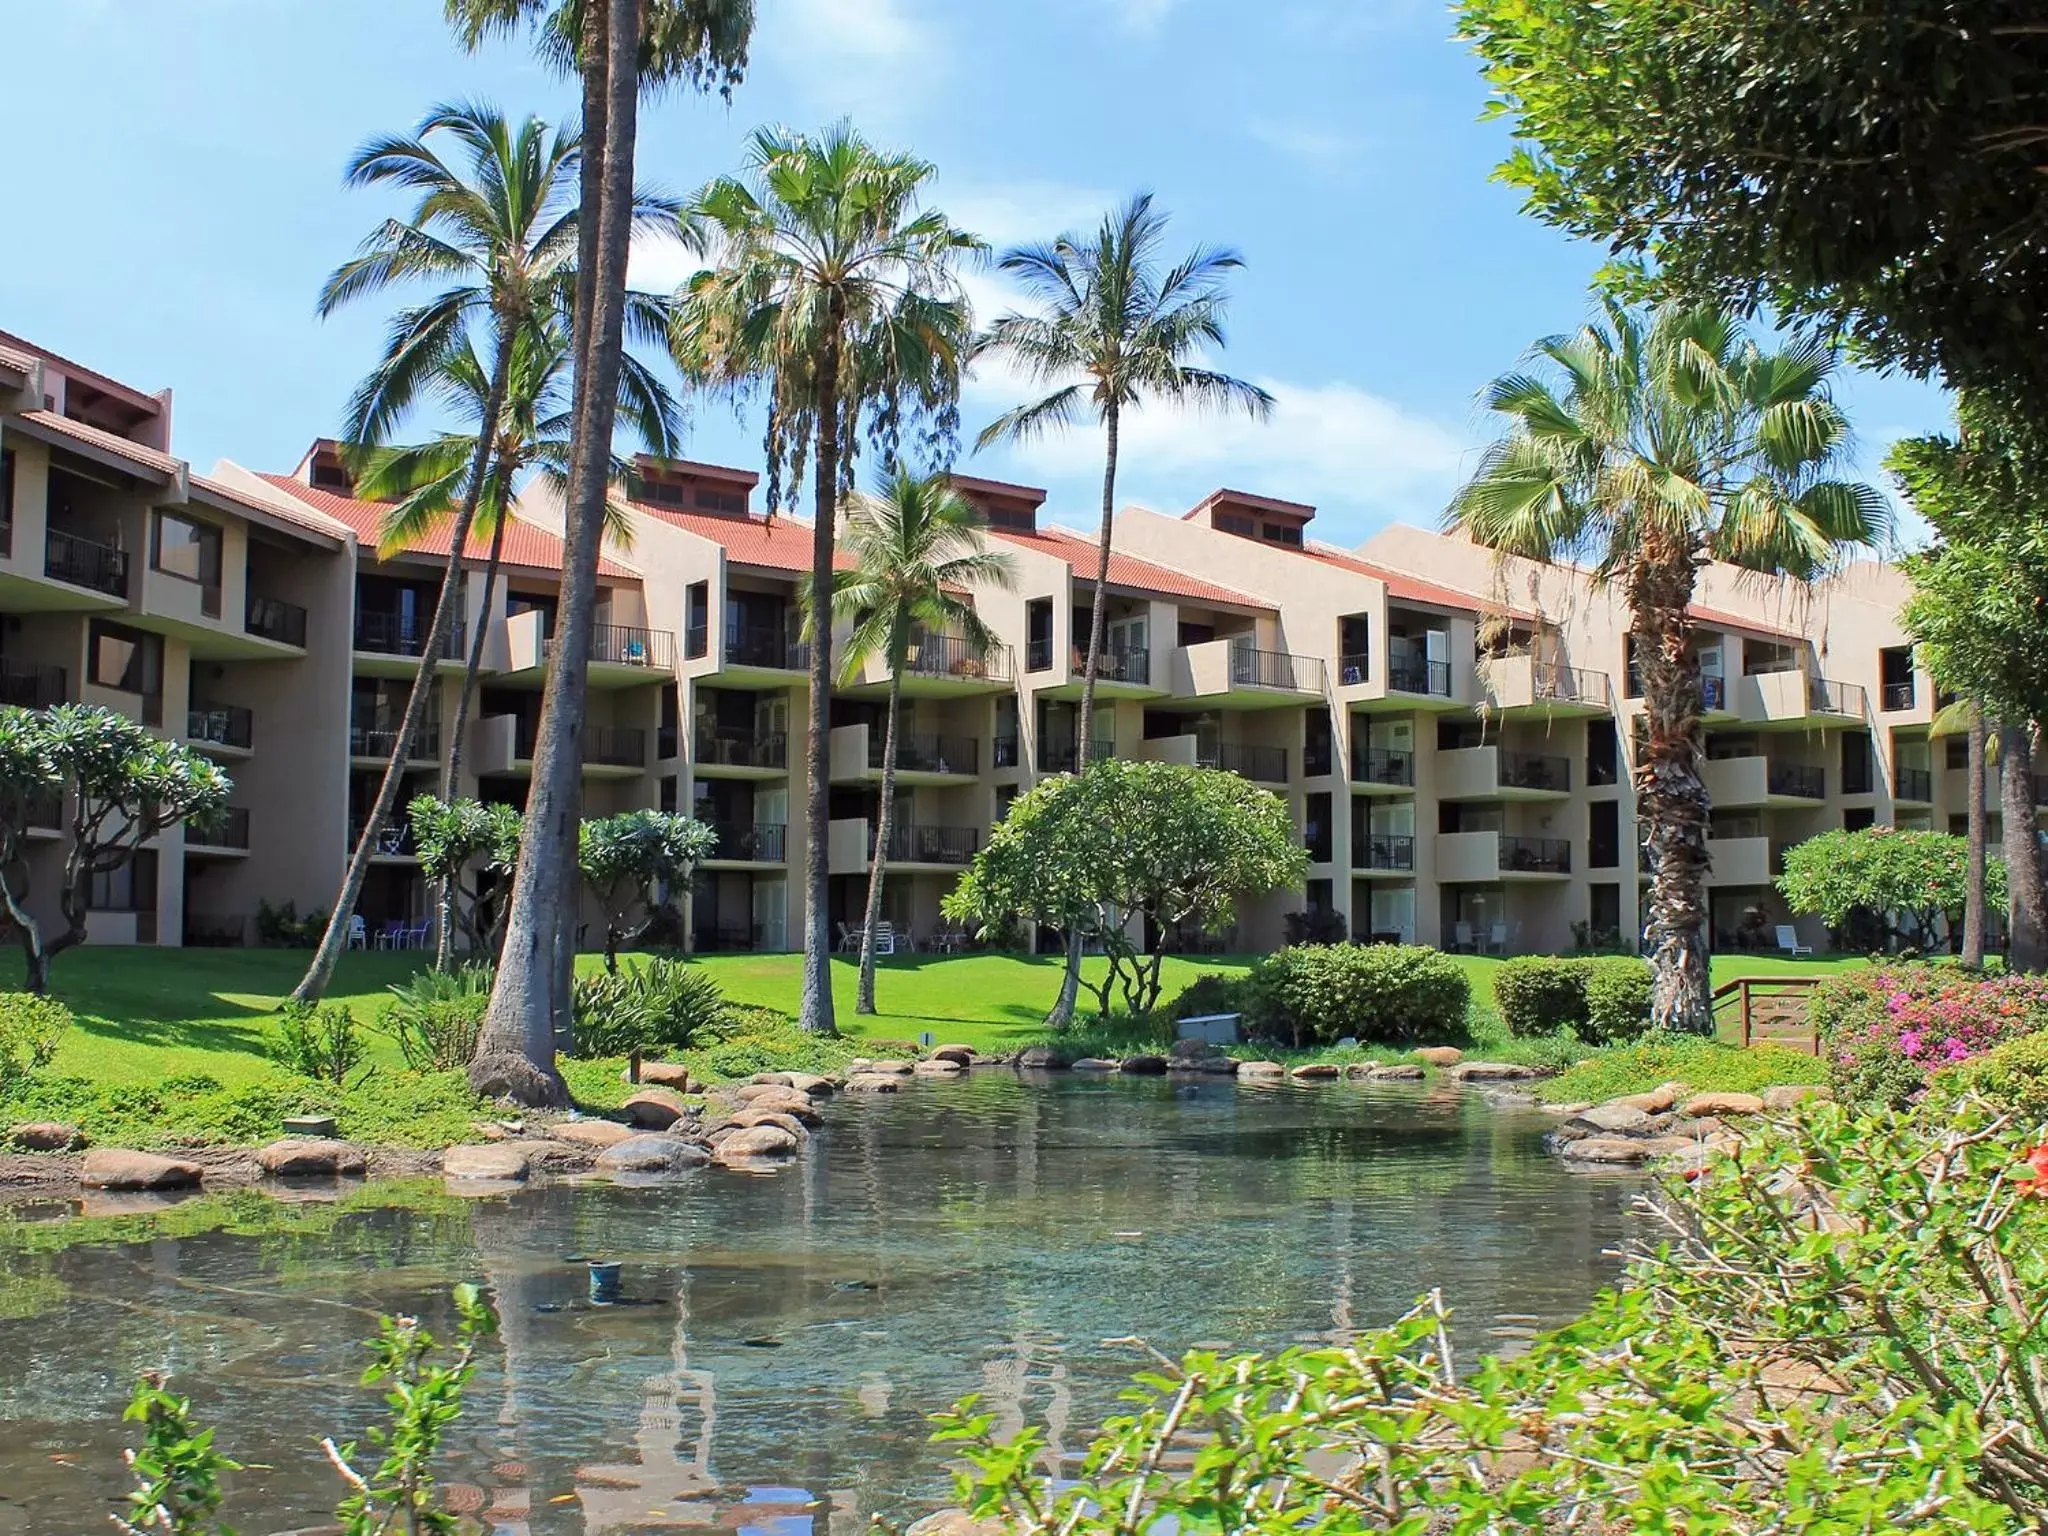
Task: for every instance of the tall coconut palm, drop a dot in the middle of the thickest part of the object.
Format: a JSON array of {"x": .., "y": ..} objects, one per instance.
[
  {"x": 1666, "y": 441},
  {"x": 498, "y": 232},
  {"x": 421, "y": 482},
  {"x": 617, "y": 47},
  {"x": 1114, "y": 328},
  {"x": 831, "y": 288},
  {"x": 916, "y": 549}
]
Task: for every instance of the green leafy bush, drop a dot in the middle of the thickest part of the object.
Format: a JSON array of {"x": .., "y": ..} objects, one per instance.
[
  {"x": 436, "y": 1016},
  {"x": 401, "y": 1109},
  {"x": 749, "y": 1040},
  {"x": 31, "y": 1028},
  {"x": 662, "y": 1005},
  {"x": 320, "y": 1041},
  {"x": 1617, "y": 999},
  {"x": 1210, "y": 993},
  {"x": 1703, "y": 1065},
  {"x": 281, "y": 927},
  {"x": 1540, "y": 994},
  {"x": 2013, "y": 1075},
  {"x": 1379, "y": 993}
]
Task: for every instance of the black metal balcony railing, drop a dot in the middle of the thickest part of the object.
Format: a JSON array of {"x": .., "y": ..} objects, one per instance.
[
  {"x": 615, "y": 746},
  {"x": 1535, "y": 855},
  {"x": 1796, "y": 781},
  {"x": 696, "y": 640},
  {"x": 1132, "y": 664},
  {"x": 741, "y": 749},
  {"x": 1254, "y": 668},
  {"x": 1382, "y": 765},
  {"x": 378, "y": 742},
  {"x": 1713, "y": 691},
  {"x": 1061, "y": 756},
  {"x": 1916, "y": 784},
  {"x": 762, "y": 842},
  {"x": 394, "y": 841},
  {"x": 67, "y": 557},
  {"x": 928, "y": 845},
  {"x": 1414, "y": 674},
  {"x": 224, "y": 725},
  {"x": 1898, "y": 696},
  {"x": 765, "y": 647},
  {"x": 399, "y": 634},
  {"x": 621, "y": 645},
  {"x": 1524, "y": 770},
  {"x": 231, "y": 831},
  {"x": 29, "y": 684},
  {"x": 45, "y": 811},
  {"x": 273, "y": 618},
  {"x": 955, "y": 656},
  {"x": 1381, "y": 850},
  {"x": 921, "y": 753},
  {"x": 1828, "y": 697},
  {"x": 1268, "y": 765},
  {"x": 1354, "y": 668},
  {"x": 1004, "y": 752},
  {"x": 1038, "y": 655}
]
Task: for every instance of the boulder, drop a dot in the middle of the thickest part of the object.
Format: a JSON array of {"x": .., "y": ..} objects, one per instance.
[
  {"x": 117, "y": 1168},
  {"x": 787, "y": 1101},
  {"x": 940, "y": 1066},
  {"x": 1566, "y": 1111},
  {"x": 1093, "y": 1064},
  {"x": 1040, "y": 1058},
  {"x": 44, "y": 1136},
  {"x": 1625, "y": 1151},
  {"x": 1261, "y": 1069},
  {"x": 654, "y": 1109},
  {"x": 665, "y": 1074},
  {"x": 495, "y": 1161},
  {"x": 964, "y": 1054},
  {"x": 1316, "y": 1071},
  {"x": 1616, "y": 1117},
  {"x": 769, "y": 1080},
  {"x": 295, "y": 1157},
  {"x": 1142, "y": 1065},
  {"x": 873, "y": 1082},
  {"x": 1787, "y": 1095},
  {"x": 811, "y": 1083},
  {"x": 1438, "y": 1055},
  {"x": 889, "y": 1068},
  {"x": 1394, "y": 1072},
  {"x": 755, "y": 1141},
  {"x": 1655, "y": 1102},
  {"x": 955, "y": 1522},
  {"x": 1192, "y": 1050},
  {"x": 1722, "y": 1105},
  {"x": 1491, "y": 1071},
  {"x": 754, "y": 1116},
  {"x": 652, "y": 1154},
  {"x": 1215, "y": 1066},
  {"x": 594, "y": 1134}
]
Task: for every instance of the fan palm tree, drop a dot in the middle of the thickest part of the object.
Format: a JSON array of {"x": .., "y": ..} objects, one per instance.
[
  {"x": 832, "y": 289},
  {"x": 1114, "y": 328},
  {"x": 499, "y": 232},
  {"x": 421, "y": 482},
  {"x": 916, "y": 548},
  {"x": 1667, "y": 441},
  {"x": 617, "y": 48}
]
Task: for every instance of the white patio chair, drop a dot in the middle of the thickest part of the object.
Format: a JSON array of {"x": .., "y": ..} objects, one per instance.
[
  {"x": 358, "y": 932},
  {"x": 1461, "y": 938},
  {"x": 1788, "y": 942},
  {"x": 885, "y": 939},
  {"x": 1497, "y": 939}
]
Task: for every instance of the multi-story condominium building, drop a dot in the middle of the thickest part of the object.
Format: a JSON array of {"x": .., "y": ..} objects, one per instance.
[{"x": 1451, "y": 731}]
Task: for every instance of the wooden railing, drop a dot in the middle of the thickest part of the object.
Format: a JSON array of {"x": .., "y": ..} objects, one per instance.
[{"x": 1768, "y": 1010}]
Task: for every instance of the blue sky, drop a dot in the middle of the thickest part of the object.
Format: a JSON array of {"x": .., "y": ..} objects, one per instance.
[{"x": 176, "y": 170}]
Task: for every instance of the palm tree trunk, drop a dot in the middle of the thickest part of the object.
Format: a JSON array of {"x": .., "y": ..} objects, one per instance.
[
  {"x": 1671, "y": 795},
  {"x": 321, "y": 971},
  {"x": 814, "y": 1005},
  {"x": 2026, "y": 942},
  {"x": 1974, "y": 901},
  {"x": 1062, "y": 1014},
  {"x": 451, "y": 773},
  {"x": 864, "y": 1002},
  {"x": 516, "y": 1047}
]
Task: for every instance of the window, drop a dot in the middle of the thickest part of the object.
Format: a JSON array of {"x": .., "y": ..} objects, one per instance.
[
  {"x": 1631, "y": 674},
  {"x": 190, "y": 550},
  {"x": 1856, "y": 818},
  {"x": 1316, "y": 833},
  {"x": 1859, "y": 772},
  {"x": 668, "y": 792},
  {"x": 127, "y": 660},
  {"x": 1316, "y": 744},
  {"x": 1895, "y": 677},
  {"x": 697, "y": 619},
  {"x": 1234, "y": 522},
  {"x": 1603, "y": 752},
  {"x": 1019, "y": 519},
  {"x": 728, "y": 502},
  {"x": 1605, "y": 911},
  {"x": 130, "y": 888},
  {"x": 329, "y": 476},
  {"x": 1354, "y": 647},
  {"x": 1281, "y": 533},
  {"x": 1958, "y": 752},
  {"x": 1604, "y": 851},
  {"x": 1006, "y": 796}
]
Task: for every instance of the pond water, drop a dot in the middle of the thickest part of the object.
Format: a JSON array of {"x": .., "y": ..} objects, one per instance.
[{"x": 787, "y": 1334}]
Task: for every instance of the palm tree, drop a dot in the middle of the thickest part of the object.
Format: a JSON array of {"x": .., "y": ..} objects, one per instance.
[
  {"x": 499, "y": 233},
  {"x": 2026, "y": 945},
  {"x": 1966, "y": 718},
  {"x": 916, "y": 546},
  {"x": 835, "y": 290},
  {"x": 1114, "y": 328},
  {"x": 420, "y": 482},
  {"x": 1674, "y": 440},
  {"x": 617, "y": 47}
]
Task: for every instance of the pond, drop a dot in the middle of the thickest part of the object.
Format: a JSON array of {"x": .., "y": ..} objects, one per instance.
[{"x": 786, "y": 1335}]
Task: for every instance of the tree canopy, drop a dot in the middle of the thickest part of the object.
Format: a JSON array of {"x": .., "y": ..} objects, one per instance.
[
  {"x": 1126, "y": 854},
  {"x": 1912, "y": 879},
  {"x": 637, "y": 859},
  {"x": 452, "y": 836}
]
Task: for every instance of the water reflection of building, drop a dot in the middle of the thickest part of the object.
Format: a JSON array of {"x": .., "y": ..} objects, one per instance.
[
  {"x": 662, "y": 1488},
  {"x": 1009, "y": 1383}
]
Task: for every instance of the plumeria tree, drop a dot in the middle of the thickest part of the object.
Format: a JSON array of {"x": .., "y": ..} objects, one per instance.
[
  {"x": 638, "y": 861},
  {"x": 1915, "y": 881},
  {"x": 466, "y": 839}
]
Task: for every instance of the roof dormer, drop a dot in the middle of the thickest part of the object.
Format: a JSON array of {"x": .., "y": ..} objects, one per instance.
[
  {"x": 683, "y": 485},
  {"x": 324, "y": 469},
  {"x": 1264, "y": 518},
  {"x": 1003, "y": 504}
]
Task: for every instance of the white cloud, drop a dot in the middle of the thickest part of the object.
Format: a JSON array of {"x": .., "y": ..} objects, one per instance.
[
  {"x": 1314, "y": 145},
  {"x": 660, "y": 264},
  {"x": 866, "y": 58},
  {"x": 1145, "y": 16}
]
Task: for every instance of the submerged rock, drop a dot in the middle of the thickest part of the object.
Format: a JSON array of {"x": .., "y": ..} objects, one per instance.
[
  {"x": 873, "y": 1082},
  {"x": 1143, "y": 1066},
  {"x": 1263, "y": 1069},
  {"x": 755, "y": 1141},
  {"x": 1394, "y": 1072},
  {"x": 1040, "y": 1058},
  {"x": 1093, "y": 1064},
  {"x": 495, "y": 1161},
  {"x": 940, "y": 1066}
]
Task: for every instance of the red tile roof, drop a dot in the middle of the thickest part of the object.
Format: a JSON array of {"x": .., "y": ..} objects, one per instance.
[
  {"x": 1127, "y": 570},
  {"x": 16, "y": 362},
  {"x": 104, "y": 383},
  {"x": 525, "y": 546},
  {"x": 779, "y": 544},
  {"x": 1411, "y": 589},
  {"x": 284, "y": 509},
  {"x": 106, "y": 442},
  {"x": 1725, "y": 620}
]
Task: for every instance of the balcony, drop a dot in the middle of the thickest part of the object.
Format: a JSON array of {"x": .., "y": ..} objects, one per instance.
[
  {"x": 229, "y": 835},
  {"x": 1489, "y": 857},
  {"x": 914, "y": 844},
  {"x": 1121, "y": 672},
  {"x": 44, "y": 812},
  {"x": 1793, "y": 781},
  {"x": 614, "y": 746},
  {"x": 1791, "y": 695},
  {"x": 272, "y": 618},
  {"x": 758, "y": 843},
  {"x": 1490, "y": 773},
  {"x": 1896, "y": 696},
  {"x": 1238, "y": 673},
  {"x": 394, "y": 842},
  {"x": 619, "y": 654},
  {"x": 1005, "y": 752},
  {"x": 1254, "y": 668},
  {"x": 1915, "y": 785},
  {"x": 939, "y": 666},
  {"x": 696, "y": 641},
  {"x": 403, "y": 635},
  {"x": 221, "y": 725},
  {"x": 1382, "y": 852},
  {"x": 1038, "y": 655},
  {"x": 1382, "y": 768},
  {"x": 1521, "y": 686},
  {"x": 1354, "y": 669},
  {"x": 723, "y": 747},
  {"x": 1062, "y": 756},
  {"x": 1414, "y": 673},
  {"x": 30, "y": 685},
  {"x": 1739, "y": 861},
  {"x": 507, "y": 743},
  {"x": 1265, "y": 765},
  {"x": 83, "y": 563},
  {"x": 918, "y": 752},
  {"x": 375, "y": 743},
  {"x": 763, "y": 648}
]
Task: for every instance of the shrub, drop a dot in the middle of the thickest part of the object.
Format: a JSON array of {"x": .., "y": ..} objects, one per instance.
[
  {"x": 1383, "y": 993},
  {"x": 436, "y": 1016},
  {"x": 1706, "y": 1066},
  {"x": 1540, "y": 994},
  {"x": 281, "y": 927},
  {"x": 1885, "y": 1030},
  {"x": 30, "y": 1030},
  {"x": 750, "y": 1040},
  {"x": 662, "y": 1005},
  {"x": 1210, "y": 993},
  {"x": 322, "y": 1042},
  {"x": 1617, "y": 999},
  {"x": 2013, "y": 1076}
]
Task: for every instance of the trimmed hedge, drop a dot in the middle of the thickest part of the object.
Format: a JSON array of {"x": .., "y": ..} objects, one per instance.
[
  {"x": 1382, "y": 994},
  {"x": 1602, "y": 999}
]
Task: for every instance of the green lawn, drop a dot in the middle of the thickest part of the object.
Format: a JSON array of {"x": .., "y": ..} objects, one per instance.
[{"x": 145, "y": 1014}]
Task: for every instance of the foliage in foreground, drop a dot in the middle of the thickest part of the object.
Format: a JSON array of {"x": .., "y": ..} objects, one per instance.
[
  {"x": 1920, "y": 877},
  {"x": 436, "y": 1016},
  {"x": 1838, "y": 1331},
  {"x": 1884, "y": 1031},
  {"x": 31, "y": 1028}
]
